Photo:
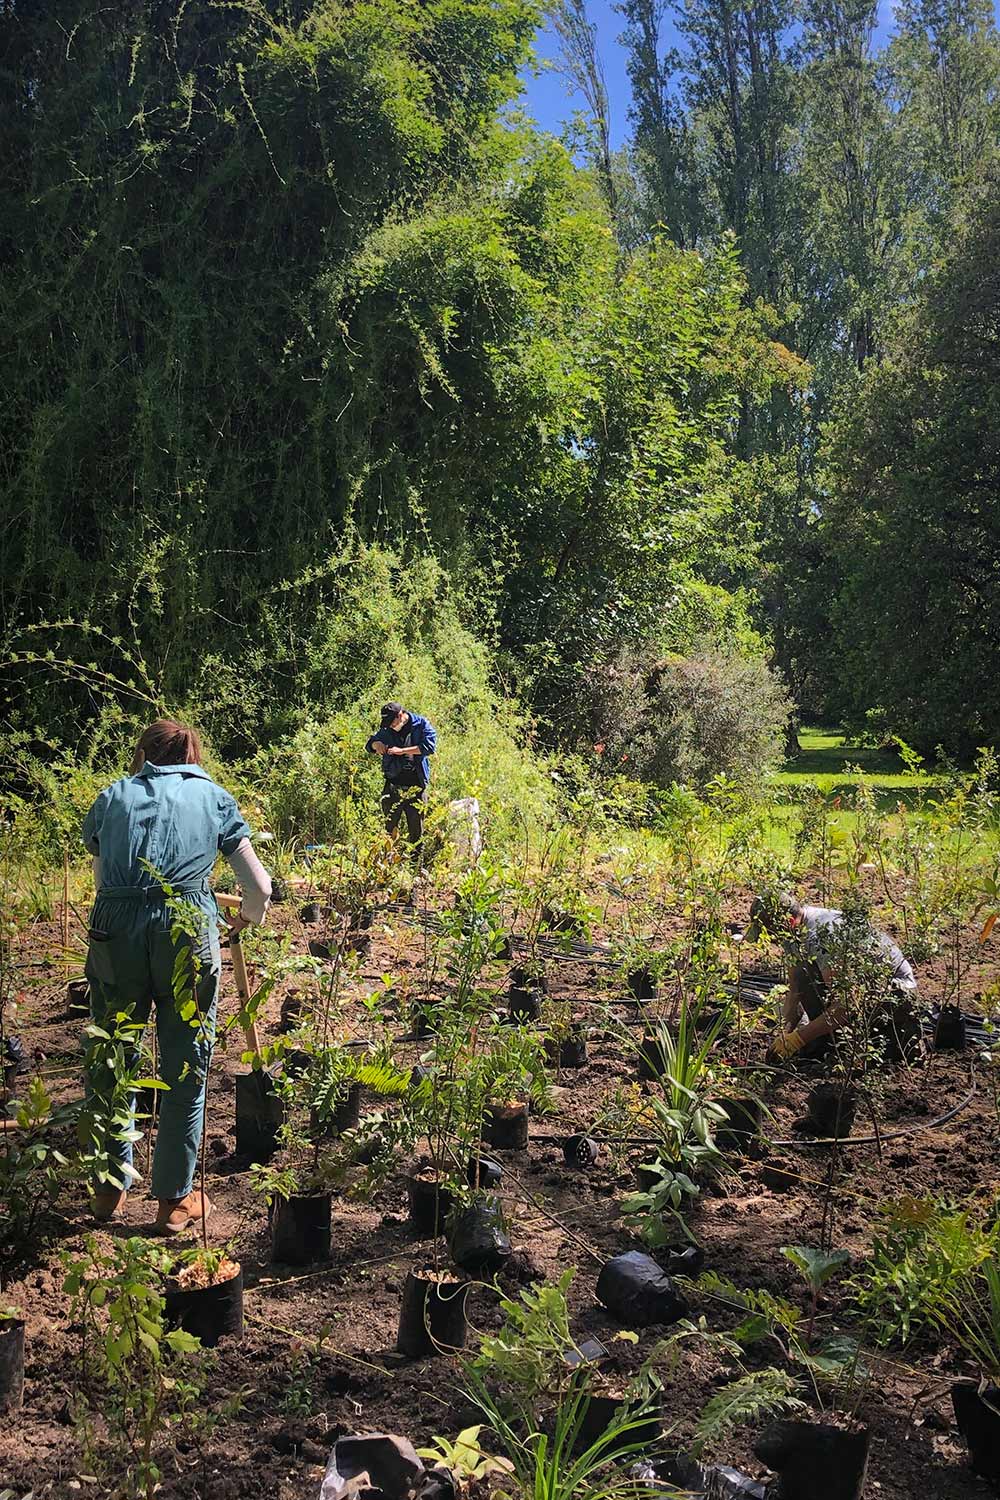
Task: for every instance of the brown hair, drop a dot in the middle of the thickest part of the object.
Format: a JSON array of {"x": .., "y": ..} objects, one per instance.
[{"x": 167, "y": 743}]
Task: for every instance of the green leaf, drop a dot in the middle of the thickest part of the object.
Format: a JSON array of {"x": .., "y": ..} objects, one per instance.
[{"x": 816, "y": 1266}]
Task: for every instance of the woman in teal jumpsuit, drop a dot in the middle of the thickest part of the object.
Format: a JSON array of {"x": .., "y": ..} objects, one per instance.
[{"x": 171, "y": 818}]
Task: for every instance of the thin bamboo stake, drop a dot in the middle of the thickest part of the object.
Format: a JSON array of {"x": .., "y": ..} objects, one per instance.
[{"x": 65, "y": 913}]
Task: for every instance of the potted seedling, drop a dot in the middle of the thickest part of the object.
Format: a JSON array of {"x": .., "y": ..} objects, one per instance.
[
  {"x": 299, "y": 1194},
  {"x": 565, "y": 1039},
  {"x": 142, "y": 1376},
  {"x": 969, "y": 1313},
  {"x": 639, "y": 967},
  {"x": 204, "y": 1296}
]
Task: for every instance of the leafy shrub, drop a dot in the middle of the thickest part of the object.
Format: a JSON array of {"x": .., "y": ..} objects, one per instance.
[
  {"x": 688, "y": 718},
  {"x": 922, "y": 1255}
]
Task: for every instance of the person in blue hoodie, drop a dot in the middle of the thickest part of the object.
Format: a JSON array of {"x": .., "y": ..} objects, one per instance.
[{"x": 404, "y": 741}]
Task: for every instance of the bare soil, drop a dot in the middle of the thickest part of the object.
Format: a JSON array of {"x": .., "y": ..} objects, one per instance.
[{"x": 277, "y": 1443}]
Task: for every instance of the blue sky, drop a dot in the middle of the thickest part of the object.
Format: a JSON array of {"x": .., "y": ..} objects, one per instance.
[{"x": 546, "y": 98}]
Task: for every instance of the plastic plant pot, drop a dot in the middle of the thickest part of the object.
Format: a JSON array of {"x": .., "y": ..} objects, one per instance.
[
  {"x": 477, "y": 1239},
  {"x": 484, "y": 1172},
  {"x": 525, "y": 979},
  {"x": 432, "y": 1316},
  {"x": 279, "y": 893},
  {"x": 311, "y": 913},
  {"x": 78, "y": 997},
  {"x": 741, "y": 1131},
  {"x": 815, "y": 1460},
  {"x": 580, "y": 1151},
  {"x": 652, "y": 1058},
  {"x": 830, "y": 1111},
  {"x": 900, "y": 1027},
  {"x": 300, "y": 1229},
  {"x": 977, "y": 1413},
  {"x": 260, "y": 1115},
  {"x": 292, "y": 1008},
  {"x": 344, "y": 1116},
  {"x": 569, "y": 1051},
  {"x": 599, "y": 1413},
  {"x": 647, "y": 1176},
  {"x": 641, "y": 984},
  {"x": 319, "y": 950},
  {"x": 430, "y": 1204},
  {"x": 524, "y": 1005},
  {"x": 638, "y": 1292},
  {"x": 11, "y": 1364},
  {"x": 208, "y": 1312},
  {"x": 950, "y": 1033},
  {"x": 505, "y": 1127},
  {"x": 421, "y": 1024}
]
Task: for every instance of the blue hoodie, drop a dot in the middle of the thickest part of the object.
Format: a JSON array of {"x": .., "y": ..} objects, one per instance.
[{"x": 418, "y": 731}]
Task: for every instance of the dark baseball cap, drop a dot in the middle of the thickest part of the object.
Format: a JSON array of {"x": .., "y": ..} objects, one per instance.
[{"x": 391, "y": 711}]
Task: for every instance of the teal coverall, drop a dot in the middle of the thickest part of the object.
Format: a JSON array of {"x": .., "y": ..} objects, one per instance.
[{"x": 177, "y": 819}]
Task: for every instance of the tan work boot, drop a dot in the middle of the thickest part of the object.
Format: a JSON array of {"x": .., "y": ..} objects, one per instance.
[
  {"x": 174, "y": 1215},
  {"x": 107, "y": 1204}
]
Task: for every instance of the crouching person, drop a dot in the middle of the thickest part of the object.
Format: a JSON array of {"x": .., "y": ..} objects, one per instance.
[
  {"x": 167, "y": 816},
  {"x": 815, "y": 940}
]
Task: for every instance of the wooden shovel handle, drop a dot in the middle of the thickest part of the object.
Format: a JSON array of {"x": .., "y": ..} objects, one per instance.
[{"x": 239, "y": 963}]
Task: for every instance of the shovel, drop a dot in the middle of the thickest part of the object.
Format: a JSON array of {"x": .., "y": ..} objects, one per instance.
[{"x": 259, "y": 1110}]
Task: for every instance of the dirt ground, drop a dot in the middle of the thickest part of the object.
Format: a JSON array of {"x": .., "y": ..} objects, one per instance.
[{"x": 558, "y": 1217}]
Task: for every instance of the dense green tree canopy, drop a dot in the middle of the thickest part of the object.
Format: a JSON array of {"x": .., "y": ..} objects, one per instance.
[
  {"x": 913, "y": 511},
  {"x": 276, "y": 270}
]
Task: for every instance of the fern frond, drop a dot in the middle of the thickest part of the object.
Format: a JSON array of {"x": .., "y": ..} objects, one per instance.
[{"x": 761, "y": 1393}]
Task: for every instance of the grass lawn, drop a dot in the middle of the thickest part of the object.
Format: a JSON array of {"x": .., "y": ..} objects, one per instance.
[{"x": 827, "y": 761}]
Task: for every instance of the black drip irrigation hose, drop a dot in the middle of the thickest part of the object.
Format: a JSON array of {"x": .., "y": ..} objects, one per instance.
[
  {"x": 843, "y": 1140},
  {"x": 892, "y": 1135}
]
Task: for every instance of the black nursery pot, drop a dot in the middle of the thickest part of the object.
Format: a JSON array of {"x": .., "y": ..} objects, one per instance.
[
  {"x": 580, "y": 1151},
  {"x": 300, "y": 1229},
  {"x": 421, "y": 1024},
  {"x": 208, "y": 1312},
  {"x": 430, "y": 1204},
  {"x": 432, "y": 1314},
  {"x": 484, "y": 1172},
  {"x": 816, "y": 1461},
  {"x": 279, "y": 893},
  {"x": 831, "y": 1110},
  {"x": 642, "y": 984},
  {"x": 523, "y": 979},
  {"x": 902, "y": 1030},
  {"x": 505, "y": 1127},
  {"x": 78, "y": 997},
  {"x": 570, "y": 1052},
  {"x": 652, "y": 1061},
  {"x": 345, "y": 1116},
  {"x": 598, "y": 1415},
  {"x": 312, "y": 912},
  {"x": 950, "y": 1032},
  {"x": 259, "y": 1116},
  {"x": 477, "y": 1239},
  {"x": 743, "y": 1127},
  {"x": 11, "y": 1364},
  {"x": 292, "y": 1006},
  {"x": 977, "y": 1413},
  {"x": 638, "y": 1292},
  {"x": 524, "y": 1005}
]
